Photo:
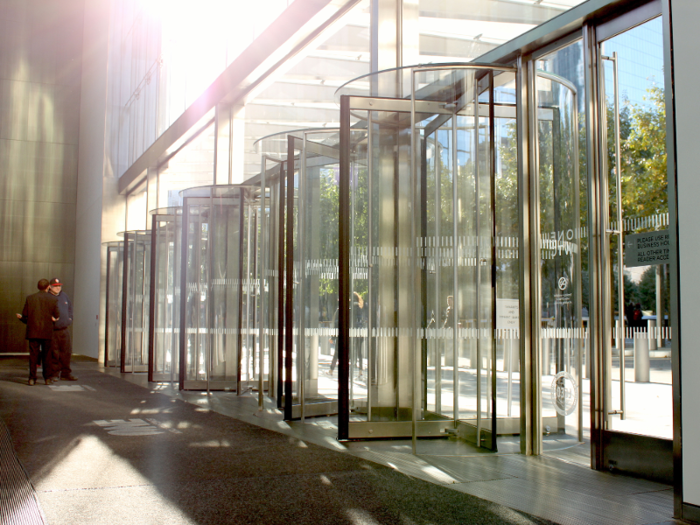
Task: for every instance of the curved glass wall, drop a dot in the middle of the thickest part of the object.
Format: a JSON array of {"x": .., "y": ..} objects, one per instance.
[
  {"x": 430, "y": 190},
  {"x": 272, "y": 177},
  {"x": 113, "y": 303},
  {"x": 562, "y": 329},
  {"x": 220, "y": 294},
  {"x": 165, "y": 302},
  {"x": 136, "y": 297},
  {"x": 311, "y": 348}
]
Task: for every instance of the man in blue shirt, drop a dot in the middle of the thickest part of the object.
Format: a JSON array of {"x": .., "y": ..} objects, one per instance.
[{"x": 61, "y": 343}]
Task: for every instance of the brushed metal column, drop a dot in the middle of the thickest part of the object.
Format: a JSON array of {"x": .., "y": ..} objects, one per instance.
[{"x": 394, "y": 34}]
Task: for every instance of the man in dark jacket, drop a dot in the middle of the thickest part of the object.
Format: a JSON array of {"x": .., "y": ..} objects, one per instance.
[
  {"x": 61, "y": 343},
  {"x": 39, "y": 313}
]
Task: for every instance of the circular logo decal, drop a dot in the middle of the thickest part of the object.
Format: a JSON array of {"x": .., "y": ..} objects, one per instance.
[
  {"x": 564, "y": 393},
  {"x": 563, "y": 283}
]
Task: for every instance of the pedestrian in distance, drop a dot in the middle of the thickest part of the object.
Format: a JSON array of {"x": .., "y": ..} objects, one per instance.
[
  {"x": 61, "y": 342},
  {"x": 39, "y": 313}
]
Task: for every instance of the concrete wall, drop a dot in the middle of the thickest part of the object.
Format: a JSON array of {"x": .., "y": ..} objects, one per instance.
[
  {"x": 98, "y": 201},
  {"x": 40, "y": 68}
]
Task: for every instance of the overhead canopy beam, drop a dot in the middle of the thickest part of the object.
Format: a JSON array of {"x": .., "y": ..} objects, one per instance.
[{"x": 561, "y": 26}]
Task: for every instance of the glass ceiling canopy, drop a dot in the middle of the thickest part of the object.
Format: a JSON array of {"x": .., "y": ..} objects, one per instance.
[
  {"x": 449, "y": 31},
  {"x": 300, "y": 93}
]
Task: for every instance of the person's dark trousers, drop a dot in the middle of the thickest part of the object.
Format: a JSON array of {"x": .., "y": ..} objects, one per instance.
[
  {"x": 40, "y": 352},
  {"x": 334, "y": 361},
  {"x": 61, "y": 346}
]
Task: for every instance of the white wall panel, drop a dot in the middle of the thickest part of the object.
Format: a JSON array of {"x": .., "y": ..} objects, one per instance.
[{"x": 684, "y": 18}]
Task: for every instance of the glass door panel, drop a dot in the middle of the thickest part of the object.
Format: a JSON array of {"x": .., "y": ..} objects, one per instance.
[
  {"x": 218, "y": 338},
  {"x": 380, "y": 237},
  {"x": 113, "y": 318},
  {"x": 638, "y": 386},
  {"x": 272, "y": 306},
  {"x": 224, "y": 232},
  {"x": 164, "y": 351},
  {"x": 250, "y": 293},
  {"x": 561, "y": 319},
  {"x": 563, "y": 196},
  {"x": 137, "y": 269},
  {"x": 313, "y": 263},
  {"x": 193, "y": 347}
]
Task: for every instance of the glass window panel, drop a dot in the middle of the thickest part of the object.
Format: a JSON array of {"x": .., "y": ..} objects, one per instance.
[
  {"x": 164, "y": 55},
  {"x": 463, "y": 31},
  {"x": 136, "y": 212},
  {"x": 191, "y": 166}
]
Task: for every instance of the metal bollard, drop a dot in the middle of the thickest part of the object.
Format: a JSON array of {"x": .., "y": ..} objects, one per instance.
[
  {"x": 325, "y": 344},
  {"x": 651, "y": 327},
  {"x": 641, "y": 358}
]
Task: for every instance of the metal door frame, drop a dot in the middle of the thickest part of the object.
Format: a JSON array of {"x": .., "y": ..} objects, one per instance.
[
  {"x": 295, "y": 165},
  {"x": 646, "y": 456},
  {"x": 170, "y": 216}
]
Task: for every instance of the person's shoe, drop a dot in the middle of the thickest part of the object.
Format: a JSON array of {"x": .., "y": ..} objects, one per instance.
[
  {"x": 51, "y": 380},
  {"x": 31, "y": 382},
  {"x": 69, "y": 377}
]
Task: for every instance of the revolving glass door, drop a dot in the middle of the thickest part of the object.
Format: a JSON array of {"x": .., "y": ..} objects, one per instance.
[
  {"x": 311, "y": 302},
  {"x": 164, "y": 332},
  {"x": 429, "y": 269},
  {"x": 113, "y": 303},
  {"x": 135, "y": 304},
  {"x": 218, "y": 325}
]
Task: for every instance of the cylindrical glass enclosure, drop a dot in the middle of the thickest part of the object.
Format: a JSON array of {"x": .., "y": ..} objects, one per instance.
[
  {"x": 164, "y": 342},
  {"x": 312, "y": 273},
  {"x": 136, "y": 296},
  {"x": 301, "y": 231},
  {"x": 429, "y": 272},
  {"x": 113, "y": 303},
  {"x": 219, "y": 347}
]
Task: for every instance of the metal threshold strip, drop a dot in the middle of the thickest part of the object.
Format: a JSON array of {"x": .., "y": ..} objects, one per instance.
[{"x": 18, "y": 501}]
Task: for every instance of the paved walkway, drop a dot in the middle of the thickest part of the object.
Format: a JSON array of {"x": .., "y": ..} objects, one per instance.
[{"x": 109, "y": 450}]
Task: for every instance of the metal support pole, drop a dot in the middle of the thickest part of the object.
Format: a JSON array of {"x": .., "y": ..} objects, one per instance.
[
  {"x": 619, "y": 231},
  {"x": 455, "y": 275},
  {"x": 370, "y": 339},
  {"x": 415, "y": 349},
  {"x": 301, "y": 240},
  {"x": 263, "y": 295},
  {"x": 477, "y": 276}
]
